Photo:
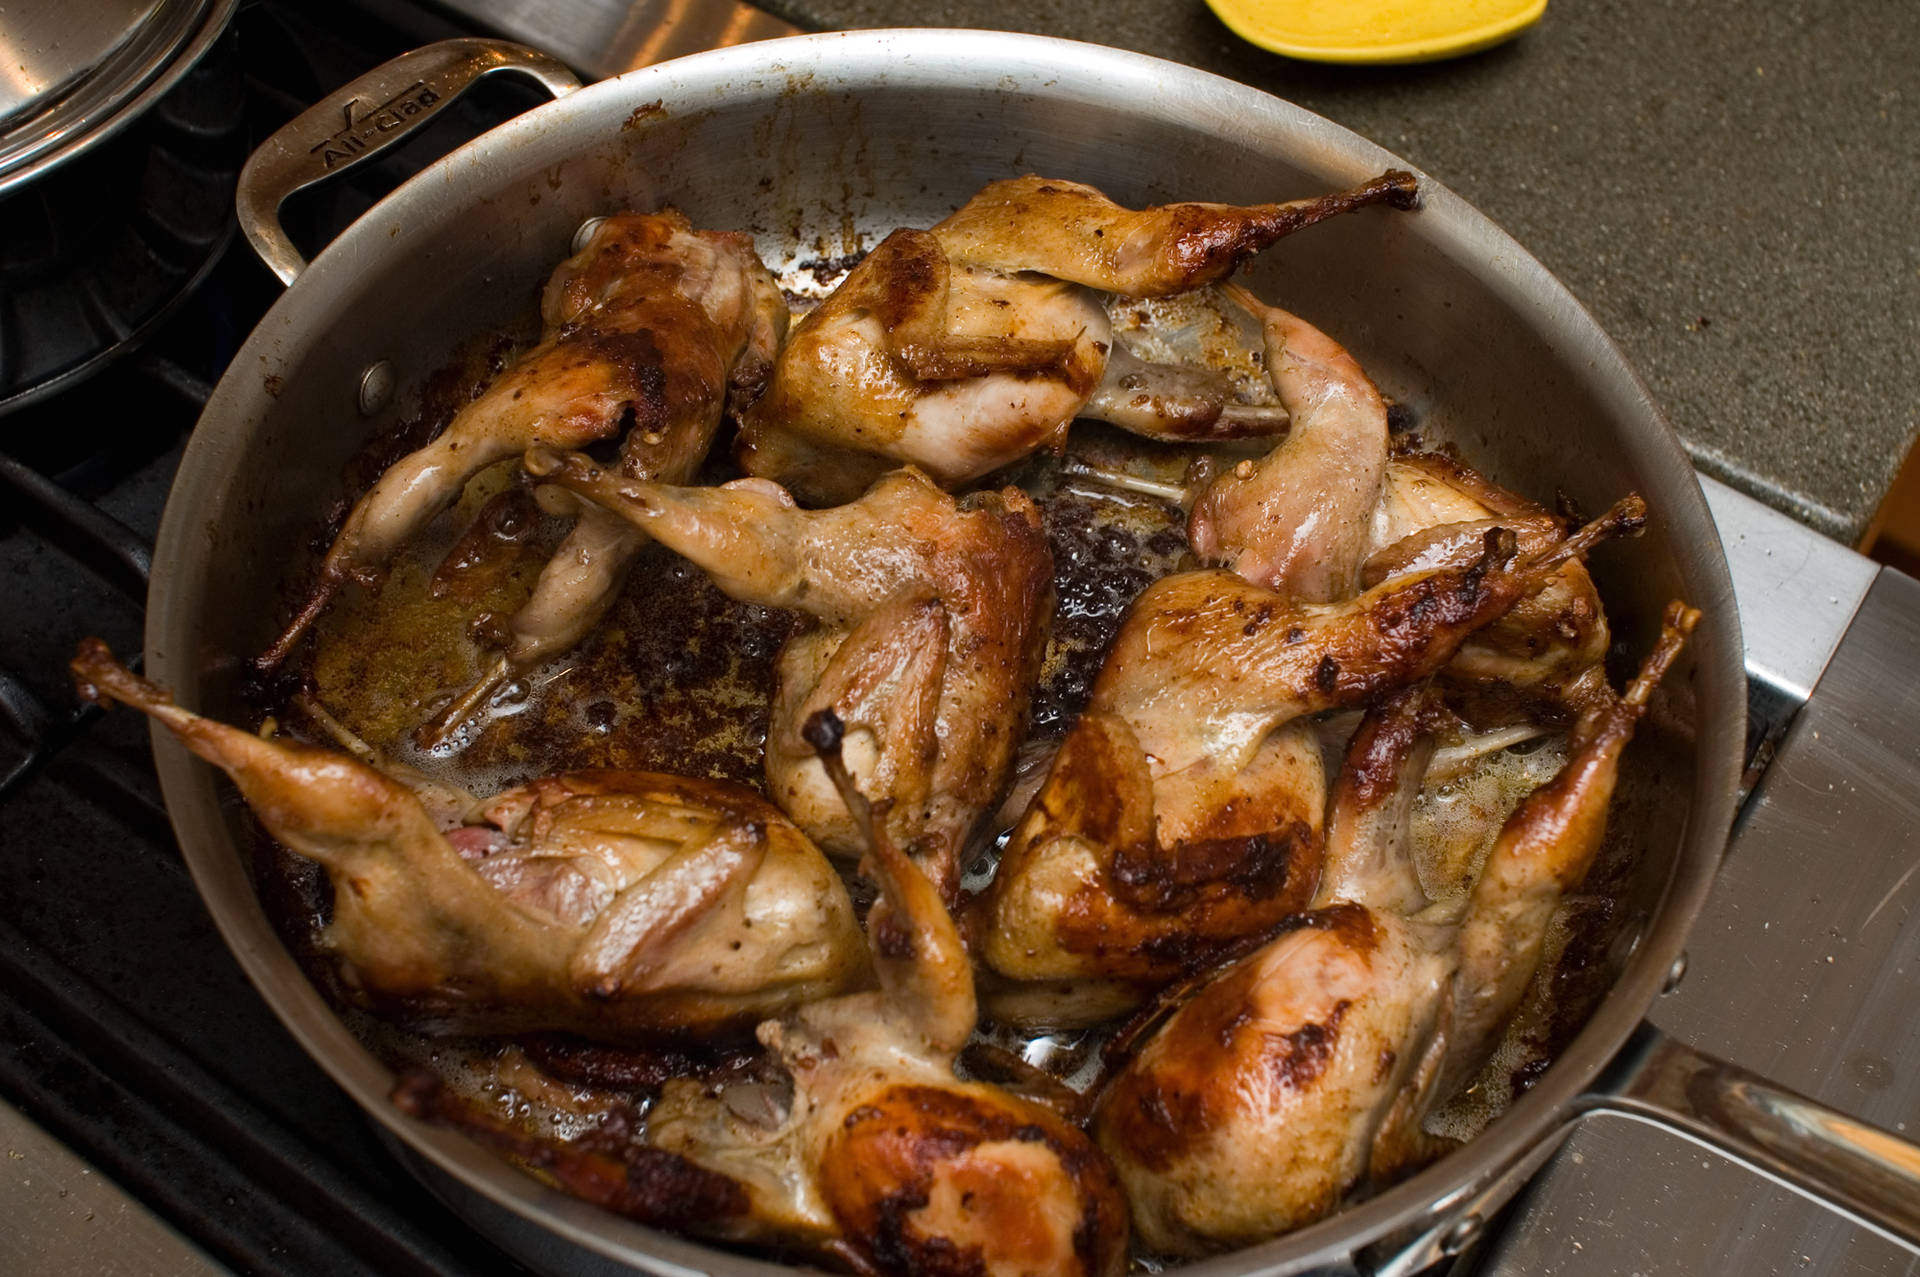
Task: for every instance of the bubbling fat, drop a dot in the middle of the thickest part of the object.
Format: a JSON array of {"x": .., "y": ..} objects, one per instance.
[
  {"x": 1456, "y": 822},
  {"x": 1524, "y": 1049}
]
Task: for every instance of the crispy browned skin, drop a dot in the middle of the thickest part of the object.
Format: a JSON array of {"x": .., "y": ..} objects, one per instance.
[
  {"x": 1071, "y": 231},
  {"x": 1184, "y": 810},
  {"x": 1544, "y": 655},
  {"x": 1253, "y": 1110},
  {"x": 611, "y": 904},
  {"x": 956, "y": 370},
  {"x": 933, "y": 619},
  {"x": 964, "y": 348},
  {"x": 652, "y": 321},
  {"x": 883, "y": 1156},
  {"x": 1302, "y": 1070}
]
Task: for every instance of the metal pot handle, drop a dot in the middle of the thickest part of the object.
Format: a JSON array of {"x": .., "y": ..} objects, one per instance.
[
  {"x": 1846, "y": 1165},
  {"x": 363, "y": 119},
  {"x": 1853, "y": 1169}
]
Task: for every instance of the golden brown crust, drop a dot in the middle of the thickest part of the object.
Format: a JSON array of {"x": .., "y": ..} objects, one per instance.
[
  {"x": 969, "y": 1180},
  {"x": 1253, "y": 1110}
]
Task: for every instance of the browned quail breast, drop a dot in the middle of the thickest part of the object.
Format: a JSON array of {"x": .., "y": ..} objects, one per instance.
[
  {"x": 949, "y": 368},
  {"x": 1254, "y": 1109}
]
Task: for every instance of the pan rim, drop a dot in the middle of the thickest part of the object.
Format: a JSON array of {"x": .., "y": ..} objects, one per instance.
[{"x": 855, "y": 60}]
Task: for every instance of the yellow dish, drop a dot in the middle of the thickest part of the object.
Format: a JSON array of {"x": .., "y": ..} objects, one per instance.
[{"x": 1377, "y": 30}]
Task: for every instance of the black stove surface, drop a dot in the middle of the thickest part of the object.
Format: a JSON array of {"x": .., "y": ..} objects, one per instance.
[{"x": 126, "y": 1028}]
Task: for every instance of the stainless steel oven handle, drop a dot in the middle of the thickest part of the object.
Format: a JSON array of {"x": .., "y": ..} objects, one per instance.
[
  {"x": 1846, "y": 1165},
  {"x": 364, "y": 118}
]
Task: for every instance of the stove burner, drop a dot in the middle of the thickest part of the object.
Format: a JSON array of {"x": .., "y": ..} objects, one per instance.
[{"x": 96, "y": 254}]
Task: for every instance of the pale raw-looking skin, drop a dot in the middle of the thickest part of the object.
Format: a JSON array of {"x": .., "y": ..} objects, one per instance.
[
  {"x": 616, "y": 905},
  {"x": 651, "y": 322},
  {"x": 933, "y": 617},
  {"x": 964, "y": 348},
  {"x": 1184, "y": 810},
  {"x": 1307, "y": 1067},
  {"x": 1298, "y": 519}
]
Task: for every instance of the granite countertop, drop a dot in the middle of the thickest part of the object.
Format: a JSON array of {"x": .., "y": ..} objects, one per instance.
[{"x": 1730, "y": 186}]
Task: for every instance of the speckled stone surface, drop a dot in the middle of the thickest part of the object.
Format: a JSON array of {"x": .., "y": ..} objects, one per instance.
[{"x": 1731, "y": 186}]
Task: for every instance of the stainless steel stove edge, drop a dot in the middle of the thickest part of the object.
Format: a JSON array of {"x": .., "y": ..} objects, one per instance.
[
  {"x": 1797, "y": 590},
  {"x": 1804, "y": 966}
]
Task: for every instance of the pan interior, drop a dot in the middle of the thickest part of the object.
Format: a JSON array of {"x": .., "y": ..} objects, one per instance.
[{"x": 818, "y": 149}]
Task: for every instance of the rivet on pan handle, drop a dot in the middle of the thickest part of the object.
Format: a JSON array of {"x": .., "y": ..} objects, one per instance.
[{"x": 363, "y": 119}]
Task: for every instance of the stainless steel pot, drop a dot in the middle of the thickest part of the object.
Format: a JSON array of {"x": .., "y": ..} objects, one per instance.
[
  {"x": 77, "y": 74},
  {"x": 818, "y": 145}
]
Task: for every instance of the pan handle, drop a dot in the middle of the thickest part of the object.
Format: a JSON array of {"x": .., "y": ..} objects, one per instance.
[
  {"x": 1851, "y": 1168},
  {"x": 363, "y": 119},
  {"x": 1845, "y": 1164}
]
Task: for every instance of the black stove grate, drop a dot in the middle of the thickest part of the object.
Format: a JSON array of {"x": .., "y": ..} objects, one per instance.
[{"x": 95, "y": 255}]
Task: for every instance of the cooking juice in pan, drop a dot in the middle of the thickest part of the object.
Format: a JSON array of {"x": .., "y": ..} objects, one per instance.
[{"x": 678, "y": 678}]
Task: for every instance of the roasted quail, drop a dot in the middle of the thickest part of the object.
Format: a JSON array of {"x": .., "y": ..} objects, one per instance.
[
  {"x": 1184, "y": 811},
  {"x": 964, "y": 348},
  {"x": 932, "y": 618},
  {"x": 874, "y": 1155},
  {"x": 611, "y": 904},
  {"x": 1307, "y": 1067},
  {"x": 651, "y": 328}
]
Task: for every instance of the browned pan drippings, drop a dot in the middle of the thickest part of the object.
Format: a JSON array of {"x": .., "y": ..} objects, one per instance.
[{"x": 678, "y": 679}]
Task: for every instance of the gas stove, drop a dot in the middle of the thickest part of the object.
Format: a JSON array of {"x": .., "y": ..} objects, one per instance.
[{"x": 131, "y": 1037}]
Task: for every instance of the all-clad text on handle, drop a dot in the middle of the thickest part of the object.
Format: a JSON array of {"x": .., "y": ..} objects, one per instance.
[{"x": 363, "y": 119}]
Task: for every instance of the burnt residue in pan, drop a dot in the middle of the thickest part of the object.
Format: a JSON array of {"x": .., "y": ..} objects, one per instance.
[{"x": 679, "y": 678}]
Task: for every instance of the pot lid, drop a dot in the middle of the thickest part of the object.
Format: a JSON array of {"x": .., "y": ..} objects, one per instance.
[{"x": 73, "y": 74}]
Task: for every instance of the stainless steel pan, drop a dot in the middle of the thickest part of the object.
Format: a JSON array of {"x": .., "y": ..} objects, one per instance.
[{"x": 818, "y": 145}]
